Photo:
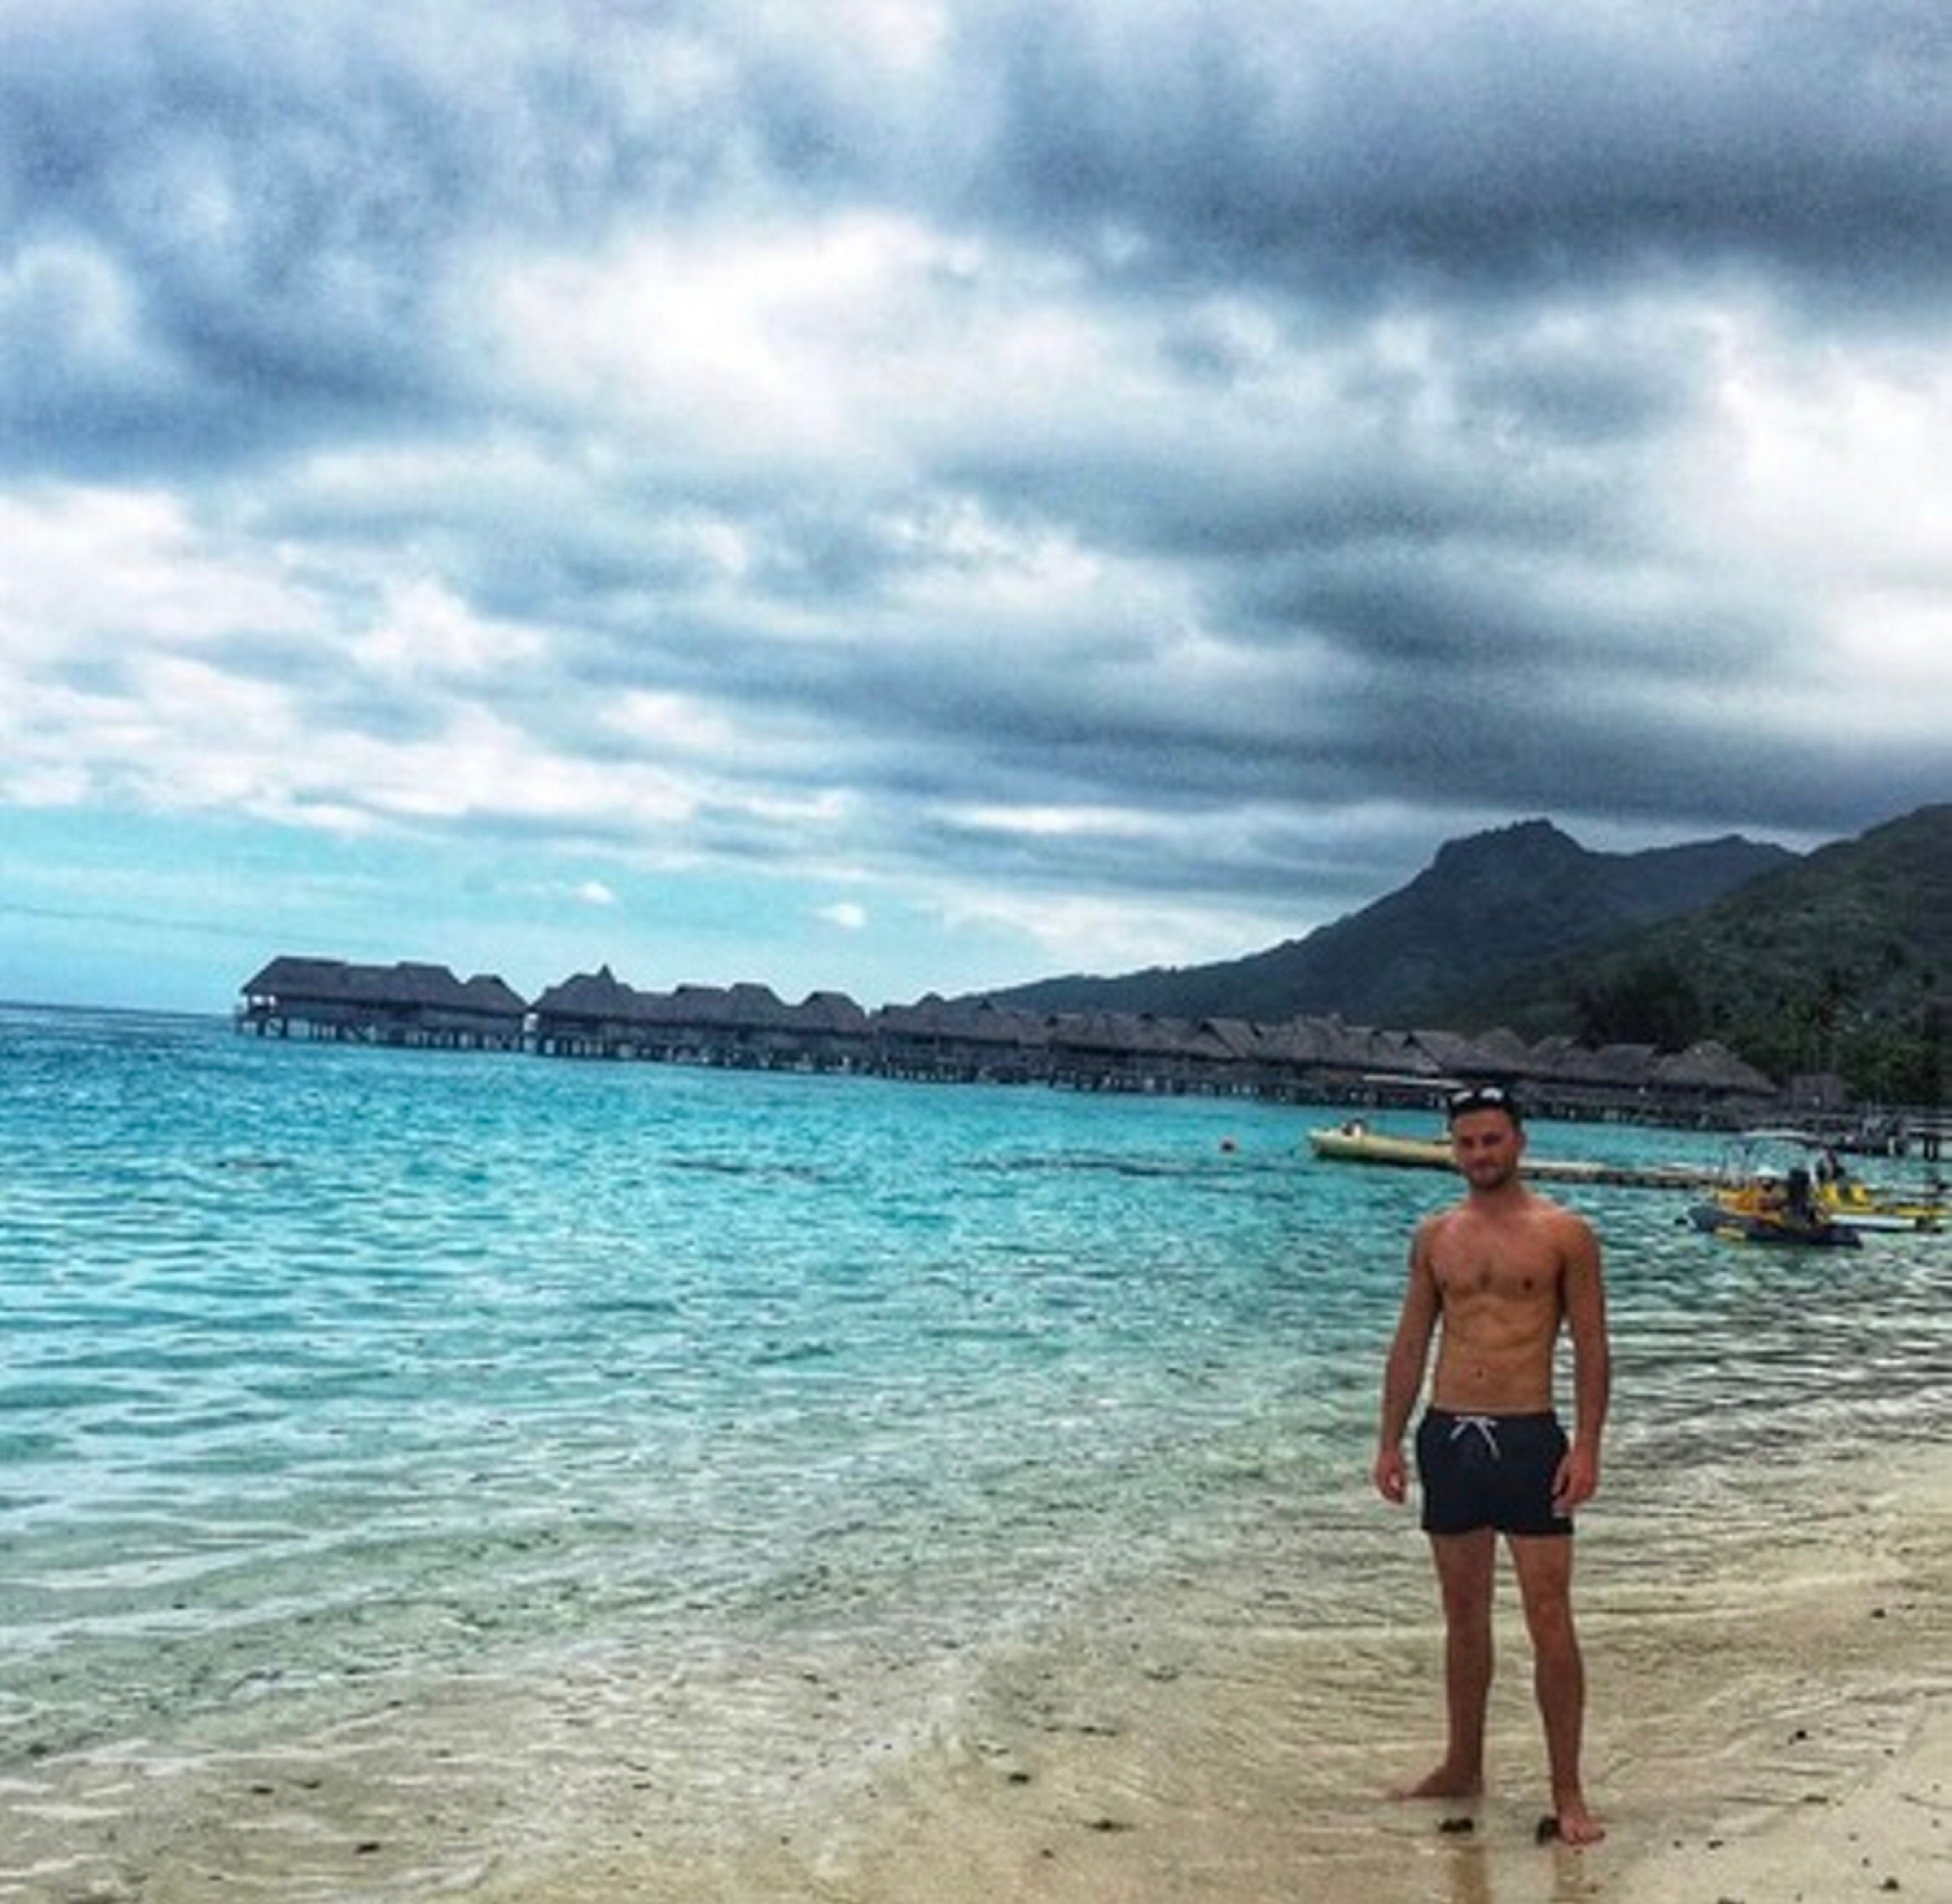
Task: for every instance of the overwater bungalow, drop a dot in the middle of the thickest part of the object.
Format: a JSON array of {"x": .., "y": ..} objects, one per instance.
[
  {"x": 970, "y": 1041},
  {"x": 1117, "y": 1050},
  {"x": 1707, "y": 1081},
  {"x": 833, "y": 1034},
  {"x": 1309, "y": 1059},
  {"x": 403, "y": 1004},
  {"x": 594, "y": 1014}
]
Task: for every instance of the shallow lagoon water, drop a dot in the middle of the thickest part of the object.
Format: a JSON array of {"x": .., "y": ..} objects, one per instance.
[{"x": 508, "y": 1397}]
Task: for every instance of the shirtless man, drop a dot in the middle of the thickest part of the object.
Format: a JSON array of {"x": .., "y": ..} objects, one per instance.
[{"x": 1500, "y": 1272}]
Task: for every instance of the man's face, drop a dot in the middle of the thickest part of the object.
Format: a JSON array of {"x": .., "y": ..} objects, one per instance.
[{"x": 1486, "y": 1145}]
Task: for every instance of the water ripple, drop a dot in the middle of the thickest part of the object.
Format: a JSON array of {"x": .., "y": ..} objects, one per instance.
[{"x": 326, "y": 1369}]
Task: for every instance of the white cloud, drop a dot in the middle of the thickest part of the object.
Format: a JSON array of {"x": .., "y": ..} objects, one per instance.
[
  {"x": 423, "y": 630},
  {"x": 1102, "y": 935},
  {"x": 94, "y": 572}
]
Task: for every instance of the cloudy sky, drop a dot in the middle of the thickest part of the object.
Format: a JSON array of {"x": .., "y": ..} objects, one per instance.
[{"x": 910, "y": 495}]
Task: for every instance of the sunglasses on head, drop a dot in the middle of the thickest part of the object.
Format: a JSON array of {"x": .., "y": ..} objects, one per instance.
[{"x": 1481, "y": 1097}]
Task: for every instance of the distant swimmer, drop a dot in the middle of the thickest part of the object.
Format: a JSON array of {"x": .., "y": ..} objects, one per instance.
[{"x": 1492, "y": 1279}]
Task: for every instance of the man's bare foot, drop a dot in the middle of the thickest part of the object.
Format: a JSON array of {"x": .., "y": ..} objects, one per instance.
[
  {"x": 1444, "y": 1782},
  {"x": 1576, "y": 1826}
]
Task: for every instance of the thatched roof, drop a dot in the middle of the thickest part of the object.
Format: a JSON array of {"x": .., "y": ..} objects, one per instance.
[
  {"x": 728, "y": 1008},
  {"x": 1238, "y": 1038},
  {"x": 1307, "y": 1041},
  {"x": 1116, "y": 1034},
  {"x": 1394, "y": 1053},
  {"x": 600, "y": 994},
  {"x": 486, "y": 992},
  {"x": 1711, "y": 1066},
  {"x": 292, "y": 981},
  {"x": 832, "y": 1012},
  {"x": 981, "y": 1022},
  {"x": 1620, "y": 1064},
  {"x": 1506, "y": 1049},
  {"x": 1455, "y": 1056}
]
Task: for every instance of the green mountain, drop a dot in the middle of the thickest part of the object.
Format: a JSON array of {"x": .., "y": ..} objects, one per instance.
[
  {"x": 1487, "y": 906},
  {"x": 1841, "y": 962}
]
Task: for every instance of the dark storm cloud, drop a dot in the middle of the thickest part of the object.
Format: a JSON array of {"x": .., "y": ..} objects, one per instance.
[
  {"x": 1244, "y": 416},
  {"x": 231, "y": 244},
  {"x": 280, "y": 204},
  {"x": 232, "y": 232},
  {"x": 1372, "y": 151}
]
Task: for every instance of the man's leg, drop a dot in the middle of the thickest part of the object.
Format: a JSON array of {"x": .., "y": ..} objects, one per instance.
[
  {"x": 1466, "y": 1565},
  {"x": 1544, "y": 1565}
]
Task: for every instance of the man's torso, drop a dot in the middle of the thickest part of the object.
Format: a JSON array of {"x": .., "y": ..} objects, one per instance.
[{"x": 1501, "y": 1284}]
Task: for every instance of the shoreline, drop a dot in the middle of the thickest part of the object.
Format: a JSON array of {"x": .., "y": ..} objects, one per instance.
[
  {"x": 1777, "y": 1725},
  {"x": 1771, "y": 1719},
  {"x": 1762, "y": 1742},
  {"x": 1820, "y": 1751}
]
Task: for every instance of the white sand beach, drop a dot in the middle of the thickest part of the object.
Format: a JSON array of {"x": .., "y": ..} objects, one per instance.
[
  {"x": 1774, "y": 1727},
  {"x": 1762, "y": 1741},
  {"x": 1771, "y": 1721},
  {"x": 1889, "y": 1835}
]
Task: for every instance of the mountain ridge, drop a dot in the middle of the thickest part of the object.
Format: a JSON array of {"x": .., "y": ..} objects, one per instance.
[
  {"x": 1839, "y": 963},
  {"x": 1488, "y": 904}
]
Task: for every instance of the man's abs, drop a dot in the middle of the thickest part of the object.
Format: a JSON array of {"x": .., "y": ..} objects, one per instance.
[{"x": 1474, "y": 1379}]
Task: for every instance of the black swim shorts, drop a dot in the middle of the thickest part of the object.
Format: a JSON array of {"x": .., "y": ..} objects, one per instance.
[{"x": 1490, "y": 1471}]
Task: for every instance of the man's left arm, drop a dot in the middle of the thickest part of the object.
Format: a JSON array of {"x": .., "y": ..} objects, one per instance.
[{"x": 1585, "y": 1299}]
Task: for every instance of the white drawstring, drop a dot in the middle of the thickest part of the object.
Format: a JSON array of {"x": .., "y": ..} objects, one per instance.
[{"x": 1487, "y": 1425}]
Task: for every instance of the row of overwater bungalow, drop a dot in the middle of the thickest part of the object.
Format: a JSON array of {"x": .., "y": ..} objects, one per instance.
[{"x": 1316, "y": 1060}]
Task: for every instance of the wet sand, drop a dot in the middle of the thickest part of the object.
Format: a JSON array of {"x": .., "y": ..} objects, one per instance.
[
  {"x": 1769, "y": 1721},
  {"x": 1776, "y": 1735},
  {"x": 1888, "y": 1834}
]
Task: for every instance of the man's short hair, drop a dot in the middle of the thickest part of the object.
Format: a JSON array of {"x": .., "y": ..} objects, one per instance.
[{"x": 1482, "y": 1097}]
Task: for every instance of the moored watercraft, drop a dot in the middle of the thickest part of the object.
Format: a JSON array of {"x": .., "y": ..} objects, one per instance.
[
  {"x": 1860, "y": 1206},
  {"x": 1354, "y": 1142},
  {"x": 1766, "y": 1167},
  {"x": 1762, "y": 1213}
]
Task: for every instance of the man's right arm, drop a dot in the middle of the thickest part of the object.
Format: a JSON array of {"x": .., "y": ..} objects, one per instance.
[{"x": 1403, "y": 1372}]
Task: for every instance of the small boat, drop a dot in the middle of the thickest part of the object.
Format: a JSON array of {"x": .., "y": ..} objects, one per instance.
[
  {"x": 1762, "y": 1213},
  {"x": 1772, "y": 1166},
  {"x": 1845, "y": 1200},
  {"x": 1354, "y": 1142}
]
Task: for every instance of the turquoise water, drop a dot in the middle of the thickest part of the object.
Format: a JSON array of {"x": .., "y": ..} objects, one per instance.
[{"x": 331, "y": 1374}]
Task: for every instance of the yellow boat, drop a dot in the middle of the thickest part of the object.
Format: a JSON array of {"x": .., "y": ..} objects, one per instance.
[
  {"x": 1826, "y": 1182},
  {"x": 1765, "y": 1209},
  {"x": 1845, "y": 1200}
]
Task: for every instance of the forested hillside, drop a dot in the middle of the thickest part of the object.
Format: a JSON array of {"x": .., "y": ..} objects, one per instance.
[
  {"x": 1841, "y": 961},
  {"x": 1486, "y": 905}
]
